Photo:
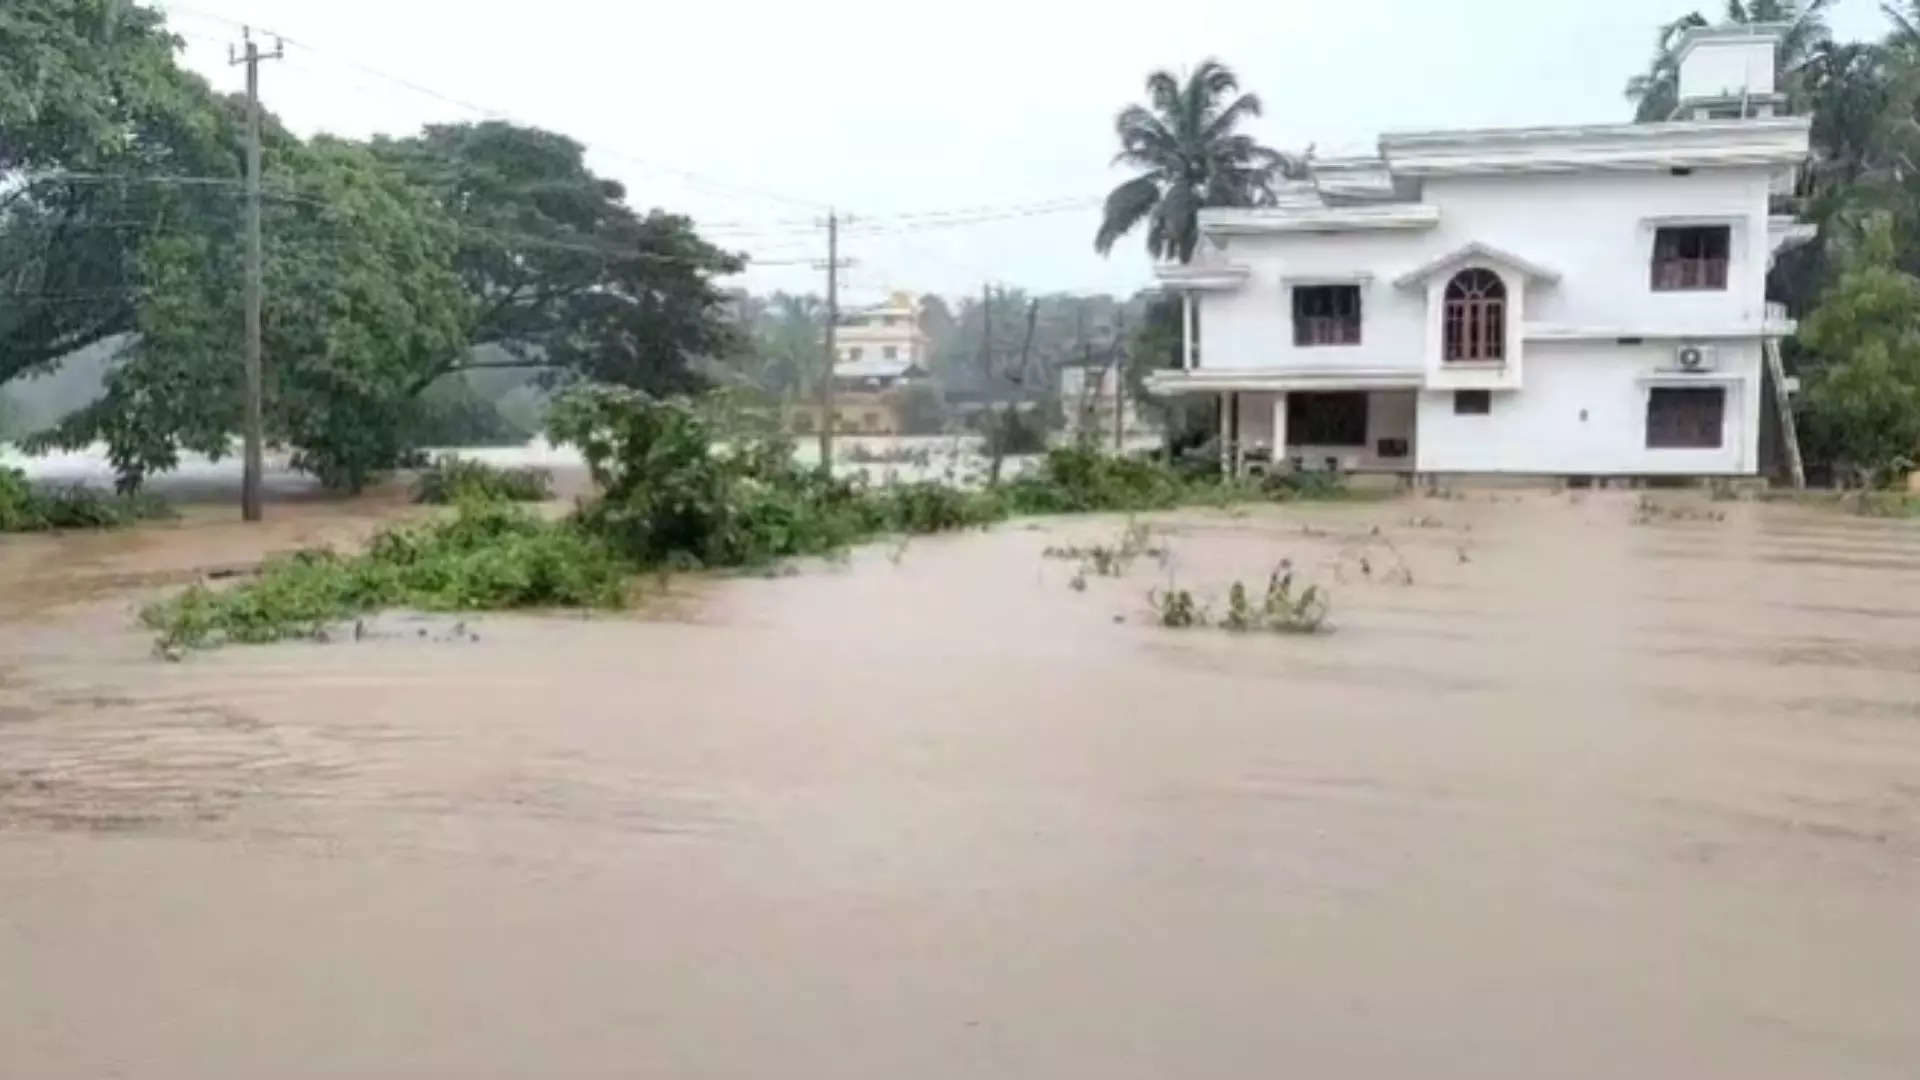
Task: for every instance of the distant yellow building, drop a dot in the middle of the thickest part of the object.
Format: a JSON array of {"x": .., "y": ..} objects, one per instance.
[{"x": 881, "y": 351}]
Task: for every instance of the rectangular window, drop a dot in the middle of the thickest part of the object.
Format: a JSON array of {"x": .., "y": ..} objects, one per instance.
[
  {"x": 890, "y": 352},
  {"x": 853, "y": 353},
  {"x": 1472, "y": 402},
  {"x": 1326, "y": 315},
  {"x": 1327, "y": 418},
  {"x": 1691, "y": 258},
  {"x": 1685, "y": 417}
]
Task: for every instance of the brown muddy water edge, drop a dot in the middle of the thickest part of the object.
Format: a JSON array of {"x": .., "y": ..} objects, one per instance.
[{"x": 1586, "y": 798}]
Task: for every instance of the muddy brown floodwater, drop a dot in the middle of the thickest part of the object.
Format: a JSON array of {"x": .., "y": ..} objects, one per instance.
[{"x": 1587, "y": 798}]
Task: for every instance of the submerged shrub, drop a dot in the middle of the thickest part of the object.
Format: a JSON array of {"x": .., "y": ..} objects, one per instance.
[
  {"x": 1082, "y": 478},
  {"x": 25, "y": 508},
  {"x": 491, "y": 556},
  {"x": 452, "y": 478}
]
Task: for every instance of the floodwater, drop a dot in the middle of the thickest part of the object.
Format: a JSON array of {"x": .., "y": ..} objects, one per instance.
[{"x": 1561, "y": 794}]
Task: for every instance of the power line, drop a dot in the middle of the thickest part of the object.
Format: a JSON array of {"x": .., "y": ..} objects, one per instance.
[
  {"x": 283, "y": 196},
  {"x": 958, "y": 216},
  {"x": 693, "y": 177}
]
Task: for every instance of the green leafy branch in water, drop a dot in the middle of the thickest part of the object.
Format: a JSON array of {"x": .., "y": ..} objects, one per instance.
[
  {"x": 1176, "y": 609},
  {"x": 1280, "y": 609}
]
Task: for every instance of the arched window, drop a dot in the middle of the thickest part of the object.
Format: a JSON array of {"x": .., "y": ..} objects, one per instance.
[{"x": 1476, "y": 316}]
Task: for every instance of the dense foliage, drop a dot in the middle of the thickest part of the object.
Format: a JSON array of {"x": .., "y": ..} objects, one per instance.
[{"x": 1863, "y": 400}]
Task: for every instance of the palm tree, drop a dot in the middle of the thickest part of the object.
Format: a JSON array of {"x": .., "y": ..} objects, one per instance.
[
  {"x": 1193, "y": 157},
  {"x": 1656, "y": 92}
]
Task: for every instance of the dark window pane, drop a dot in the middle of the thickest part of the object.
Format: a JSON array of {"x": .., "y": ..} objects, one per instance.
[
  {"x": 1685, "y": 417},
  {"x": 1475, "y": 318},
  {"x": 1691, "y": 257},
  {"x": 1326, "y": 315},
  {"x": 1472, "y": 402},
  {"x": 1327, "y": 419}
]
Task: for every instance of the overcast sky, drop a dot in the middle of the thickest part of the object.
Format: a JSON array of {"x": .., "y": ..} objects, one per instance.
[{"x": 754, "y": 116}]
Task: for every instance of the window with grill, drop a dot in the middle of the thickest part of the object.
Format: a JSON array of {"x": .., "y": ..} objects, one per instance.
[
  {"x": 891, "y": 352},
  {"x": 1326, "y": 315},
  {"x": 1336, "y": 418},
  {"x": 1476, "y": 317},
  {"x": 1691, "y": 258},
  {"x": 1685, "y": 417}
]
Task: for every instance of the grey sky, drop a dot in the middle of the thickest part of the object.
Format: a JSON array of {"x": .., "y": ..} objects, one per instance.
[{"x": 889, "y": 109}]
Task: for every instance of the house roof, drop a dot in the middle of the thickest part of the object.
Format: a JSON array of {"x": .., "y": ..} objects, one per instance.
[{"x": 1474, "y": 252}]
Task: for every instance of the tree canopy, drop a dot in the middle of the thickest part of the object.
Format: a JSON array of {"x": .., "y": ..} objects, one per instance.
[
  {"x": 564, "y": 274},
  {"x": 386, "y": 263}
]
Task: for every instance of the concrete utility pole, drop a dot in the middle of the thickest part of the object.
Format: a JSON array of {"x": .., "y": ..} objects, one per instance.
[
  {"x": 1119, "y": 379},
  {"x": 833, "y": 267},
  {"x": 251, "y": 476}
]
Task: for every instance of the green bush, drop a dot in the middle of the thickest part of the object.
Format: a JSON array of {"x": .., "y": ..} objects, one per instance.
[
  {"x": 451, "y": 478},
  {"x": 928, "y": 507},
  {"x": 24, "y": 508},
  {"x": 1077, "y": 479},
  {"x": 669, "y": 497},
  {"x": 490, "y": 557}
]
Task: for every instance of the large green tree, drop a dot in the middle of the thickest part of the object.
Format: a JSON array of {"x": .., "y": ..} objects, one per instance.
[
  {"x": 1656, "y": 92},
  {"x": 362, "y": 302},
  {"x": 565, "y": 276},
  {"x": 95, "y": 122},
  {"x": 1186, "y": 140}
]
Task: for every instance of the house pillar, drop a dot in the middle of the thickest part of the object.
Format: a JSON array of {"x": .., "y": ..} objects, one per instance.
[
  {"x": 1186, "y": 330},
  {"x": 1226, "y": 432},
  {"x": 1279, "y": 431}
]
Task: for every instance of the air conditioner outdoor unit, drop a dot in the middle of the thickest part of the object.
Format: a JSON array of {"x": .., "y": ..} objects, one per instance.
[{"x": 1695, "y": 358}]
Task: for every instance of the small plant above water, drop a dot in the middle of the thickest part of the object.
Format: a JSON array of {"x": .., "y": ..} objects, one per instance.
[
  {"x": 1280, "y": 610},
  {"x": 452, "y": 478},
  {"x": 1176, "y": 609},
  {"x": 1115, "y": 559}
]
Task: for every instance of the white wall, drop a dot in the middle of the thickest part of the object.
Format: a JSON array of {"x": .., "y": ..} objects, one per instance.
[
  {"x": 1252, "y": 326},
  {"x": 1596, "y": 230},
  {"x": 1584, "y": 410}
]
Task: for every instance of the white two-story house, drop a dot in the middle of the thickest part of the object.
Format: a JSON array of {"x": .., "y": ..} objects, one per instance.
[{"x": 1567, "y": 300}]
